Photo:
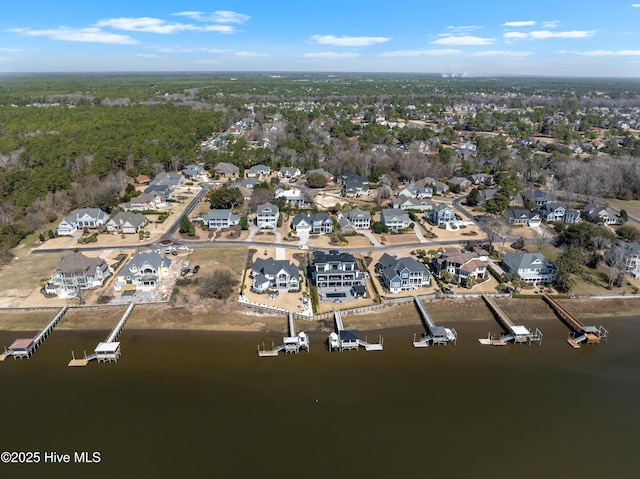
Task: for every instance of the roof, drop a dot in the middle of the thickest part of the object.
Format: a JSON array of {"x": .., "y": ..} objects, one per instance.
[
  {"x": 267, "y": 208},
  {"x": 21, "y": 344},
  {"x": 392, "y": 214},
  {"x": 218, "y": 215},
  {"x": 134, "y": 219},
  {"x": 91, "y": 212},
  {"x": 78, "y": 263},
  {"x": 332, "y": 256},
  {"x": 107, "y": 347},
  {"x": 154, "y": 259},
  {"x": 389, "y": 266},
  {"x": 358, "y": 213},
  {"x": 271, "y": 267},
  {"x": 350, "y": 335},
  {"x": 516, "y": 262},
  {"x": 224, "y": 167}
]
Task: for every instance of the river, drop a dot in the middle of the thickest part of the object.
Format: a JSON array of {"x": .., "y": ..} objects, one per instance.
[{"x": 205, "y": 403}]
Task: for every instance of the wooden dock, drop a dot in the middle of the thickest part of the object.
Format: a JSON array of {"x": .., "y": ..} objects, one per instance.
[
  {"x": 435, "y": 335},
  {"x": 25, "y": 348},
  {"x": 578, "y": 332},
  {"x": 513, "y": 332}
]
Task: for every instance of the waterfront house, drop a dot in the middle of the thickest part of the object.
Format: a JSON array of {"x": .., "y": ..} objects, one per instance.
[
  {"x": 359, "y": 219},
  {"x": 530, "y": 267},
  {"x": 76, "y": 272},
  {"x": 441, "y": 214},
  {"x": 337, "y": 276},
  {"x": 462, "y": 264},
  {"x": 126, "y": 222},
  {"x": 402, "y": 274},
  {"x": 395, "y": 219},
  {"x": 143, "y": 272},
  {"x": 220, "y": 219},
  {"x": 84, "y": 217},
  {"x": 274, "y": 275},
  {"x": 267, "y": 216}
]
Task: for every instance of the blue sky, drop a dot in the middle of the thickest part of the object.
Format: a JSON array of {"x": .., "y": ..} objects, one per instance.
[{"x": 560, "y": 37}]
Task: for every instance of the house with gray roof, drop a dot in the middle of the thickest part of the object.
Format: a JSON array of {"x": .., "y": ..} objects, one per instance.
[
  {"x": 411, "y": 204},
  {"x": 220, "y": 219},
  {"x": 143, "y": 272},
  {"x": 294, "y": 196},
  {"x": 414, "y": 191},
  {"x": 462, "y": 264},
  {"x": 360, "y": 219},
  {"x": 163, "y": 191},
  {"x": 597, "y": 213},
  {"x": 522, "y": 217},
  {"x": 289, "y": 172},
  {"x": 258, "y": 171},
  {"x": 145, "y": 201},
  {"x": 267, "y": 216},
  {"x": 317, "y": 223},
  {"x": 536, "y": 196},
  {"x": 193, "y": 171},
  {"x": 402, "y": 274},
  {"x": 354, "y": 186},
  {"x": 552, "y": 212},
  {"x": 84, "y": 217},
  {"x": 337, "y": 276},
  {"x": 127, "y": 222},
  {"x": 249, "y": 183},
  {"x": 394, "y": 219},
  {"x": 274, "y": 275},
  {"x": 226, "y": 170},
  {"x": 530, "y": 267},
  {"x": 77, "y": 272},
  {"x": 172, "y": 180},
  {"x": 441, "y": 214}
]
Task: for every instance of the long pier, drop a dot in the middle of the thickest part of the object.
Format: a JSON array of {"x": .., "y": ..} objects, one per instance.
[
  {"x": 346, "y": 339},
  {"x": 25, "y": 348},
  {"x": 513, "y": 332},
  {"x": 434, "y": 334},
  {"x": 109, "y": 349},
  {"x": 292, "y": 344},
  {"x": 578, "y": 332}
]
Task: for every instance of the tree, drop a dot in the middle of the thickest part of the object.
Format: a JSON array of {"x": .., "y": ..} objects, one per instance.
[
  {"x": 186, "y": 226},
  {"x": 616, "y": 259},
  {"x": 568, "y": 263},
  {"x": 628, "y": 233},
  {"x": 379, "y": 228},
  {"x": 219, "y": 284},
  {"x": 316, "y": 180},
  {"x": 518, "y": 244},
  {"x": 225, "y": 198},
  {"x": 624, "y": 216},
  {"x": 244, "y": 222},
  {"x": 473, "y": 198}
]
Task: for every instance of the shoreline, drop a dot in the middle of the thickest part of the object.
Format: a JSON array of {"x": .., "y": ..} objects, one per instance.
[{"x": 233, "y": 318}]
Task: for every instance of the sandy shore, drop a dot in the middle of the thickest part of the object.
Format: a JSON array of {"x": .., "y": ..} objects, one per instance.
[{"x": 230, "y": 317}]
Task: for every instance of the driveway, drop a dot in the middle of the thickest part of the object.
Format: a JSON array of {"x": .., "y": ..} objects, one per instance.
[
  {"x": 418, "y": 232},
  {"x": 372, "y": 238}
]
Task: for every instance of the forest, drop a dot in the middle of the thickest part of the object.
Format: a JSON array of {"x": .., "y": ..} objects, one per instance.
[{"x": 69, "y": 141}]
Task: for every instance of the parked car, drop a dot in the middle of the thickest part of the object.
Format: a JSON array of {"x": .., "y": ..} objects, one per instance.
[{"x": 196, "y": 268}]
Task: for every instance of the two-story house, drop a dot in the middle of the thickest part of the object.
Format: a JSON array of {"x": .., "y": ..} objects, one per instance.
[
  {"x": 143, "y": 272},
  {"x": 226, "y": 170},
  {"x": 462, "y": 264},
  {"x": 395, "y": 219},
  {"x": 220, "y": 219},
  {"x": 267, "y": 216},
  {"x": 441, "y": 214},
  {"x": 337, "y": 276},
  {"x": 522, "y": 217},
  {"x": 274, "y": 275},
  {"x": 359, "y": 219},
  {"x": 414, "y": 191},
  {"x": 258, "y": 171},
  {"x": 79, "y": 219},
  {"x": 552, "y": 212},
  {"x": 289, "y": 172},
  {"x": 127, "y": 222},
  {"x": 77, "y": 272},
  {"x": 294, "y": 196},
  {"x": 402, "y": 274},
  {"x": 530, "y": 267},
  {"x": 598, "y": 214},
  {"x": 317, "y": 223}
]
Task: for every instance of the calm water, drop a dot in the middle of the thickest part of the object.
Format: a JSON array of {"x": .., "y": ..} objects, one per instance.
[{"x": 205, "y": 403}]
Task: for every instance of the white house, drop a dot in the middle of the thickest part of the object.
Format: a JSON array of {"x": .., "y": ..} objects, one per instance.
[
  {"x": 76, "y": 272},
  {"x": 127, "y": 222},
  {"x": 442, "y": 214},
  {"x": 274, "y": 275},
  {"x": 394, "y": 219},
  {"x": 258, "y": 171},
  {"x": 85, "y": 217},
  {"x": 402, "y": 274},
  {"x": 294, "y": 196},
  {"x": 268, "y": 215},
  {"x": 530, "y": 267},
  {"x": 144, "y": 272},
  {"x": 215, "y": 219}
]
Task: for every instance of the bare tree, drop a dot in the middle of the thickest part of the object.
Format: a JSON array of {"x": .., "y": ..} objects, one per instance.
[{"x": 616, "y": 259}]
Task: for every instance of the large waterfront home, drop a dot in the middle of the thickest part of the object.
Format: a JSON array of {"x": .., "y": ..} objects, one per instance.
[
  {"x": 462, "y": 265},
  {"x": 143, "y": 272},
  {"x": 274, "y": 275},
  {"x": 317, "y": 223},
  {"x": 82, "y": 218},
  {"x": 441, "y": 214},
  {"x": 337, "y": 276},
  {"x": 75, "y": 272},
  {"x": 395, "y": 219},
  {"x": 359, "y": 219},
  {"x": 402, "y": 274},
  {"x": 530, "y": 267}
]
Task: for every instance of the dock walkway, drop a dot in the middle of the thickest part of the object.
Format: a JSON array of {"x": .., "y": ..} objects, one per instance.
[
  {"x": 25, "y": 348},
  {"x": 513, "y": 332},
  {"x": 434, "y": 334},
  {"x": 578, "y": 333},
  {"x": 292, "y": 344}
]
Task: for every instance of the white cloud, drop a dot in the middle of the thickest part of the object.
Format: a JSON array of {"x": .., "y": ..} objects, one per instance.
[
  {"x": 250, "y": 54},
  {"x": 144, "y": 24},
  {"x": 610, "y": 53},
  {"x": 545, "y": 34},
  {"x": 463, "y": 40},
  {"x": 528, "y": 23},
  {"x": 345, "y": 41},
  {"x": 10, "y": 50},
  {"x": 502, "y": 53},
  {"x": 463, "y": 28},
  {"x": 219, "y": 16},
  {"x": 636, "y": 5},
  {"x": 88, "y": 35},
  {"x": 419, "y": 53},
  {"x": 551, "y": 24},
  {"x": 331, "y": 55}
]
